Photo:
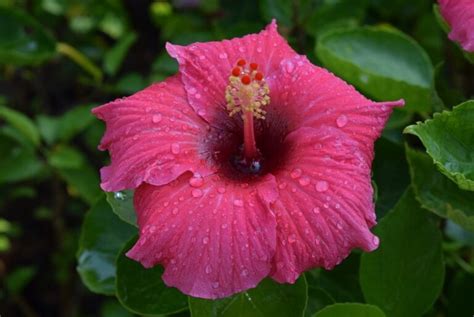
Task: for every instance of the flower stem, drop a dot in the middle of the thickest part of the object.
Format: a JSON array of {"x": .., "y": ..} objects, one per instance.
[{"x": 250, "y": 146}]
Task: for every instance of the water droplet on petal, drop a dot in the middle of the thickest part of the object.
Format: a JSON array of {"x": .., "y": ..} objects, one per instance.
[
  {"x": 222, "y": 55},
  {"x": 244, "y": 272},
  {"x": 205, "y": 240},
  {"x": 305, "y": 180},
  {"x": 238, "y": 203},
  {"x": 224, "y": 226},
  {"x": 215, "y": 285},
  {"x": 208, "y": 269},
  {"x": 292, "y": 238},
  {"x": 196, "y": 193},
  {"x": 289, "y": 67},
  {"x": 341, "y": 121},
  {"x": 192, "y": 90},
  {"x": 322, "y": 186},
  {"x": 339, "y": 225},
  {"x": 196, "y": 181},
  {"x": 259, "y": 49},
  {"x": 198, "y": 96},
  {"x": 201, "y": 112},
  {"x": 221, "y": 190},
  {"x": 175, "y": 211},
  {"x": 175, "y": 148},
  {"x": 296, "y": 173},
  {"x": 282, "y": 185},
  {"x": 152, "y": 228},
  {"x": 156, "y": 118},
  {"x": 316, "y": 210}
]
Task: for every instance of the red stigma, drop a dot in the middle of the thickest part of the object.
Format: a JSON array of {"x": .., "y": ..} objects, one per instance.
[
  {"x": 253, "y": 66},
  {"x": 236, "y": 71},
  {"x": 259, "y": 76},
  {"x": 246, "y": 80},
  {"x": 241, "y": 62}
]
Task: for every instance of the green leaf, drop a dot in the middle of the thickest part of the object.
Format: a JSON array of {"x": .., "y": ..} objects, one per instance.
[
  {"x": 18, "y": 279},
  {"x": 281, "y": 10},
  {"x": 448, "y": 139},
  {"x": 390, "y": 173},
  {"x": 438, "y": 193},
  {"x": 103, "y": 236},
  {"x": 458, "y": 234},
  {"x": 64, "y": 156},
  {"x": 404, "y": 276},
  {"x": 82, "y": 181},
  {"x": 142, "y": 291},
  {"x": 113, "y": 59},
  {"x": 23, "y": 41},
  {"x": 21, "y": 123},
  {"x": 267, "y": 299},
  {"x": 341, "y": 283},
  {"x": 122, "y": 205},
  {"x": 382, "y": 62},
  {"x": 461, "y": 295},
  {"x": 17, "y": 162},
  {"x": 350, "y": 309},
  {"x": 74, "y": 121}
]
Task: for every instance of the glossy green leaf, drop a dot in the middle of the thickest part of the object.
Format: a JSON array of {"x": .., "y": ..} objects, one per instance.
[
  {"x": 17, "y": 280},
  {"x": 390, "y": 173},
  {"x": 64, "y": 156},
  {"x": 23, "y": 40},
  {"x": 113, "y": 59},
  {"x": 21, "y": 123},
  {"x": 448, "y": 139},
  {"x": 142, "y": 291},
  {"x": 317, "y": 299},
  {"x": 74, "y": 121},
  {"x": 350, "y": 309},
  {"x": 103, "y": 236},
  {"x": 267, "y": 299},
  {"x": 438, "y": 193},
  {"x": 122, "y": 204},
  {"x": 383, "y": 63},
  {"x": 82, "y": 181},
  {"x": 404, "y": 276}
]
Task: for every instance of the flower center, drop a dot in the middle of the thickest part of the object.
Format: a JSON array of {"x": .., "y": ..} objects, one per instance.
[{"x": 247, "y": 93}]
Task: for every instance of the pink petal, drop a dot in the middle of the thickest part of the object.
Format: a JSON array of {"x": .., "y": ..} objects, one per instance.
[
  {"x": 151, "y": 136},
  {"x": 325, "y": 207},
  {"x": 310, "y": 96},
  {"x": 206, "y": 67},
  {"x": 213, "y": 238},
  {"x": 460, "y": 16}
]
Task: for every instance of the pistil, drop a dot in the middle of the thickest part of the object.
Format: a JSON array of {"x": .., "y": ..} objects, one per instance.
[{"x": 247, "y": 93}]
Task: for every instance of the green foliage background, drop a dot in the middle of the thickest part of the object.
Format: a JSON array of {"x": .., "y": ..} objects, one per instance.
[{"x": 62, "y": 240}]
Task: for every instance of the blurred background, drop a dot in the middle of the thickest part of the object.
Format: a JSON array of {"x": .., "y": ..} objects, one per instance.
[{"x": 60, "y": 58}]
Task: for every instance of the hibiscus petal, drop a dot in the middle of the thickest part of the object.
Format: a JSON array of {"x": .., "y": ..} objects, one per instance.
[
  {"x": 152, "y": 136},
  {"x": 310, "y": 96},
  {"x": 460, "y": 16},
  {"x": 325, "y": 207},
  {"x": 206, "y": 67},
  {"x": 213, "y": 238}
]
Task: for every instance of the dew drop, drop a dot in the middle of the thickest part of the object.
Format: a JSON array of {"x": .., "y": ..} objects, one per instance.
[
  {"x": 305, "y": 180},
  {"x": 175, "y": 211},
  {"x": 322, "y": 186},
  {"x": 222, "y": 55},
  {"x": 208, "y": 269},
  {"x": 196, "y": 181},
  {"x": 192, "y": 90},
  {"x": 316, "y": 210},
  {"x": 224, "y": 226},
  {"x": 289, "y": 67},
  {"x": 205, "y": 240},
  {"x": 198, "y": 96},
  {"x": 238, "y": 203},
  {"x": 196, "y": 193},
  {"x": 201, "y": 112},
  {"x": 244, "y": 272},
  {"x": 282, "y": 185},
  {"x": 120, "y": 196},
  {"x": 156, "y": 118},
  {"x": 296, "y": 173},
  {"x": 152, "y": 229},
  {"x": 175, "y": 148},
  {"x": 221, "y": 190},
  {"x": 341, "y": 121},
  {"x": 292, "y": 238},
  {"x": 339, "y": 226},
  {"x": 259, "y": 49},
  {"x": 215, "y": 285}
]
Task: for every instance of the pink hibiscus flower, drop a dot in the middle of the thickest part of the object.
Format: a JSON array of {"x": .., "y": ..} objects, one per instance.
[
  {"x": 460, "y": 16},
  {"x": 250, "y": 162}
]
